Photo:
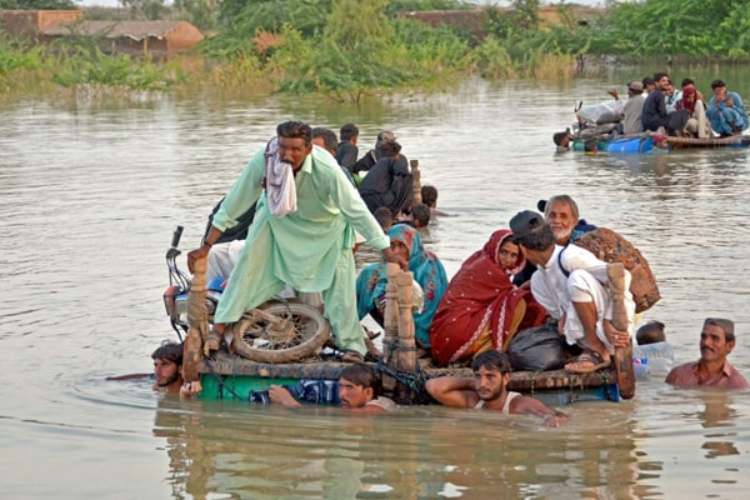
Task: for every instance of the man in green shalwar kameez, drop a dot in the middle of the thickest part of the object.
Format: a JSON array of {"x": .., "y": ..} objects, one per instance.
[{"x": 309, "y": 249}]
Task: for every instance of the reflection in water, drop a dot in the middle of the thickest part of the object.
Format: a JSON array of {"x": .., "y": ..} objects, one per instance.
[{"x": 269, "y": 452}]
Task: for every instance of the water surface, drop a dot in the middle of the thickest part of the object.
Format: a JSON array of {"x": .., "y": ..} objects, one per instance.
[{"x": 89, "y": 196}]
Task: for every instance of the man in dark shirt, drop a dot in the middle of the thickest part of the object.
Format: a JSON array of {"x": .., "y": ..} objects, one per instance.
[
  {"x": 654, "y": 113},
  {"x": 371, "y": 158},
  {"x": 389, "y": 182},
  {"x": 347, "y": 151}
]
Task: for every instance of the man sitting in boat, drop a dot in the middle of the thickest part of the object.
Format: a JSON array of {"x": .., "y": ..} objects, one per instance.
[
  {"x": 427, "y": 270},
  {"x": 488, "y": 390},
  {"x": 655, "y": 116},
  {"x": 562, "y": 214},
  {"x": 570, "y": 283},
  {"x": 482, "y": 309},
  {"x": 302, "y": 235},
  {"x": 631, "y": 118},
  {"x": 168, "y": 367},
  {"x": 713, "y": 369},
  {"x": 358, "y": 390},
  {"x": 726, "y": 111}
]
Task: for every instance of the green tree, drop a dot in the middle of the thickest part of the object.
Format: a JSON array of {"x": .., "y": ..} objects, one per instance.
[{"x": 145, "y": 9}]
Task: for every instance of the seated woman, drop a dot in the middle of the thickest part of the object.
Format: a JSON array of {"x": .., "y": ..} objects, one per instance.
[
  {"x": 426, "y": 269},
  {"x": 697, "y": 123},
  {"x": 482, "y": 309}
]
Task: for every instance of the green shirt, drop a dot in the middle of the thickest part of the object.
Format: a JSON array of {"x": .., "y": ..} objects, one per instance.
[{"x": 308, "y": 242}]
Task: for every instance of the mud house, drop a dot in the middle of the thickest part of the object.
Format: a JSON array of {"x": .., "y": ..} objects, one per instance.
[{"x": 159, "y": 39}]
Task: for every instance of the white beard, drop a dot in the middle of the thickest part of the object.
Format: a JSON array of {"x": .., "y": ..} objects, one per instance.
[{"x": 562, "y": 234}]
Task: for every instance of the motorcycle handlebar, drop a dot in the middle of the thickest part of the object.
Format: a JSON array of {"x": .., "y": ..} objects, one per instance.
[{"x": 176, "y": 236}]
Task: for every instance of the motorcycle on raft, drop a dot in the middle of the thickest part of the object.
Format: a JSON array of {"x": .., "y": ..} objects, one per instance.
[{"x": 279, "y": 331}]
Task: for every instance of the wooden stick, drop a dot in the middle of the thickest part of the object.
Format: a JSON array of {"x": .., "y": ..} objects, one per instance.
[
  {"x": 416, "y": 175},
  {"x": 406, "y": 351},
  {"x": 620, "y": 320},
  {"x": 390, "y": 323},
  {"x": 192, "y": 354}
]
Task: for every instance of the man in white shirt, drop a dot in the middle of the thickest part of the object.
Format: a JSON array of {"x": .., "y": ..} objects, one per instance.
[{"x": 576, "y": 289}]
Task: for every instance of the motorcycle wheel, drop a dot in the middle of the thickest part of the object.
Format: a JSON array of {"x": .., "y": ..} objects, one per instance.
[{"x": 280, "y": 333}]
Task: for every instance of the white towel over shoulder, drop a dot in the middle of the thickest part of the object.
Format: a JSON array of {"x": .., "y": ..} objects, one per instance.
[{"x": 281, "y": 190}]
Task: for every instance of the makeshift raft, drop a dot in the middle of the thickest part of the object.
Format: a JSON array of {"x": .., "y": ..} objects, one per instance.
[
  {"x": 226, "y": 376},
  {"x": 644, "y": 144}
]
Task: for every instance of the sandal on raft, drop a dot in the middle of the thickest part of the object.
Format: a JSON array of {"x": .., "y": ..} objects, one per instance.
[{"x": 587, "y": 362}]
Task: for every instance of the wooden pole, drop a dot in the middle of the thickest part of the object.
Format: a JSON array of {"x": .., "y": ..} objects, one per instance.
[
  {"x": 390, "y": 322},
  {"x": 620, "y": 320},
  {"x": 407, "y": 349},
  {"x": 416, "y": 175},
  {"x": 197, "y": 325}
]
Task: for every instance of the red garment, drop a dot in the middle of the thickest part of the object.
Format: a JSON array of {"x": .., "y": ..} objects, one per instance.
[
  {"x": 479, "y": 293},
  {"x": 689, "y": 96}
]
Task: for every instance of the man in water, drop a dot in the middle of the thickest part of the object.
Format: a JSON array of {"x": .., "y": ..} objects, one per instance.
[
  {"x": 347, "y": 151},
  {"x": 359, "y": 390},
  {"x": 577, "y": 289},
  {"x": 713, "y": 369},
  {"x": 726, "y": 112},
  {"x": 168, "y": 367},
  {"x": 488, "y": 390},
  {"x": 301, "y": 237}
]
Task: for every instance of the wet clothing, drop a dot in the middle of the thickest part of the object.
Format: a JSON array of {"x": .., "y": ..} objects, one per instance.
[
  {"x": 573, "y": 274},
  {"x": 686, "y": 377},
  {"x": 478, "y": 310},
  {"x": 631, "y": 121},
  {"x": 346, "y": 155},
  {"x": 388, "y": 184},
  {"x": 506, "y": 406},
  {"x": 726, "y": 120},
  {"x": 309, "y": 250},
  {"x": 426, "y": 269},
  {"x": 654, "y": 114}
]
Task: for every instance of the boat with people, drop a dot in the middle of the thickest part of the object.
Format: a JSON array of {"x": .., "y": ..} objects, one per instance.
[
  {"x": 287, "y": 341},
  {"x": 658, "y": 118}
]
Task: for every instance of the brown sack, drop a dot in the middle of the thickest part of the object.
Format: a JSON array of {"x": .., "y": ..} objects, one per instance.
[{"x": 610, "y": 247}]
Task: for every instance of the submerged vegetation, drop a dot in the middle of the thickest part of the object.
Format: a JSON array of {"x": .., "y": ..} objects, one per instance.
[{"x": 348, "y": 48}]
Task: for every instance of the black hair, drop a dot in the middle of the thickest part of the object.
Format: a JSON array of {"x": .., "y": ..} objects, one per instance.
[
  {"x": 558, "y": 137},
  {"x": 295, "y": 130},
  {"x": 686, "y": 82},
  {"x": 421, "y": 214},
  {"x": 650, "y": 333},
  {"x": 492, "y": 359},
  {"x": 429, "y": 195},
  {"x": 384, "y": 216},
  {"x": 717, "y": 83},
  {"x": 648, "y": 81},
  {"x": 364, "y": 376},
  {"x": 171, "y": 351},
  {"x": 539, "y": 240},
  {"x": 328, "y": 135},
  {"x": 348, "y": 131},
  {"x": 659, "y": 76}
]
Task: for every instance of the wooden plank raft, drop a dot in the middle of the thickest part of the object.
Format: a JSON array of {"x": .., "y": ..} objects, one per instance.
[
  {"x": 710, "y": 142},
  {"x": 226, "y": 364}
]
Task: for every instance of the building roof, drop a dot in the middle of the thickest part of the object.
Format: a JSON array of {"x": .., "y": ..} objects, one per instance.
[{"x": 137, "y": 30}]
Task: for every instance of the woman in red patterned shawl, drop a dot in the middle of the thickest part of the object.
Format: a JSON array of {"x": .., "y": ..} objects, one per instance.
[{"x": 482, "y": 309}]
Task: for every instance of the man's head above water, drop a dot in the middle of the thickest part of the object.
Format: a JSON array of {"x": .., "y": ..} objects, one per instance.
[
  {"x": 168, "y": 365},
  {"x": 561, "y": 213},
  {"x": 491, "y": 374},
  {"x": 358, "y": 385},
  {"x": 295, "y": 142}
]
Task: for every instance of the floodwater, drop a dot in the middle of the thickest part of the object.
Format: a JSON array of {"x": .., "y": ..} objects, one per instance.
[{"x": 90, "y": 194}]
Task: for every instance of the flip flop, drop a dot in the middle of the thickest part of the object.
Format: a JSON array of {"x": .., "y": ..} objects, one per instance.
[{"x": 592, "y": 362}]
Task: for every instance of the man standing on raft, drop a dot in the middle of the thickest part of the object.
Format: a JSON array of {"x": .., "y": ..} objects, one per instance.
[{"x": 302, "y": 235}]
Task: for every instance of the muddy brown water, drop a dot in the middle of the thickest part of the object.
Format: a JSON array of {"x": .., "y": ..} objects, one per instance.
[{"x": 89, "y": 196}]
